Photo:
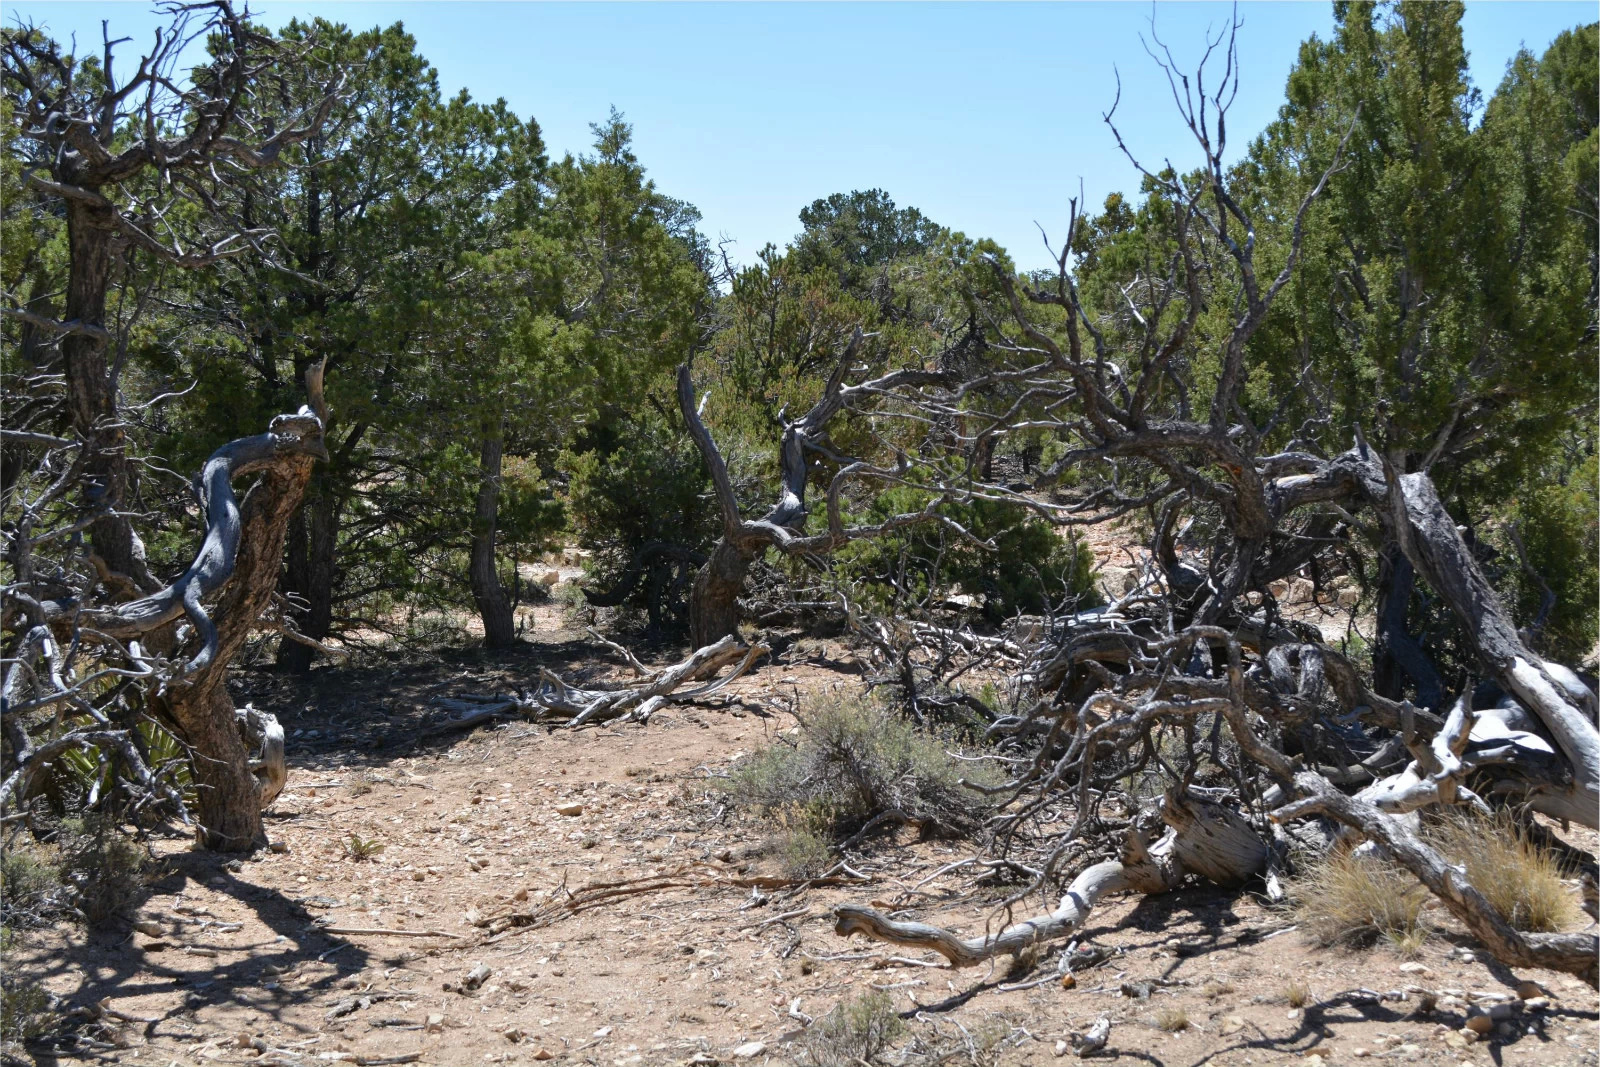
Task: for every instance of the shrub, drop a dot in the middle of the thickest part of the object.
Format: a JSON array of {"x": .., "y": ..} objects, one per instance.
[
  {"x": 1349, "y": 899},
  {"x": 32, "y": 890},
  {"x": 853, "y": 762},
  {"x": 105, "y": 867},
  {"x": 1030, "y": 569},
  {"x": 1521, "y": 879},
  {"x": 856, "y": 1031},
  {"x": 25, "y": 1011}
]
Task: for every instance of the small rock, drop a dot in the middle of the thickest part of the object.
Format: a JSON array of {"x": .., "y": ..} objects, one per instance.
[
  {"x": 514, "y": 1035},
  {"x": 153, "y": 945},
  {"x": 416, "y": 876},
  {"x": 1068, "y": 982},
  {"x": 1060, "y": 1049},
  {"x": 604, "y": 1031},
  {"x": 521, "y": 894},
  {"x": 1414, "y": 968},
  {"x": 1360, "y": 1053},
  {"x": 1529, "y": 990},
  {"x": 1504, "y": 1010},
  {"x": 435, "y": 1024},
  {"x": 148, "y": 928},
  {"x": 570, "y": 809},
  {"x": 1314, "y": 1060},
  {"x": 1232, "y": 1024},
  {"x": 278, "y": 846},
  {"x": 1536, "y": 1004},
  {"x": 1457, "y": 1039},
  {"x": 749, "y": 1050},
  {"x": 1470, "y": 1036},
  {"x": 1479, "y": 1024},
  {"x": 544, "y": 1054}
]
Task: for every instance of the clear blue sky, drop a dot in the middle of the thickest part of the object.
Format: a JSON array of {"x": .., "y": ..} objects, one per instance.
[{"x": 985, "y": 116}]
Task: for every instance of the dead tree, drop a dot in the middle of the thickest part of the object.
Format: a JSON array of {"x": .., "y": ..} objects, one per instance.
[
  {"x": 74, "y": 649},
  {"x": 127, "y": 183},
  {"x": 1195, "y": 677}
]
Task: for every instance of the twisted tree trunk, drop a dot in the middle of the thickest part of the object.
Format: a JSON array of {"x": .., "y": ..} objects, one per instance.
[
  {"x": 309, "y": 575},
  {"x": 499, "y": 622}
]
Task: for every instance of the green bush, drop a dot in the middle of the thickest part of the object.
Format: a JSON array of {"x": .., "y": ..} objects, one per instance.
[
  {"x": 106, "y": 868},
  {"x": 854, "y": 761},
  {"x": 856, "y": 1031},
  {"x": 32, "y": 889},
  {"x": 1556, "y": 522},
  {"x": 24, "y": 1011}
]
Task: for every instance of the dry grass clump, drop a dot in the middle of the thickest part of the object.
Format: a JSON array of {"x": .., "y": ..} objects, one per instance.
[
  {"x": 1520, "y": 878},
  {"x": 1297, "y": 994},
  {"x": 1356, "y": 901},
  {"x": 855, "y": 761},
  {"x": 1172, "y": 1020}
]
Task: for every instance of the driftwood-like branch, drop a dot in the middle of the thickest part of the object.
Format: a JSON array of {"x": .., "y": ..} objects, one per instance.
[
  {"x": 556, "y": 702},
  {"x": 1201, "y": 838}
]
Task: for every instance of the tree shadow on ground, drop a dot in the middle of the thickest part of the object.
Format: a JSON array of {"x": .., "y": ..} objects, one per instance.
[{"x": 264, "y": 976}]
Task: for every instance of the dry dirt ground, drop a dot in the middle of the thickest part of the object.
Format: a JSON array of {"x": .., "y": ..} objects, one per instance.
[{"x": 701, "y": 968}]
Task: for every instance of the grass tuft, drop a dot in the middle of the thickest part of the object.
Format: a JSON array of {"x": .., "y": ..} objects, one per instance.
[
  {"x": 1357, "y": 901},
  {"x": 1171, "y": 1019},
  {"x": 1519, "y": 877}
]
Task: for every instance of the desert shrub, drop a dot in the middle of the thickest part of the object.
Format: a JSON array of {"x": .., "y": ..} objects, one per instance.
[
  {"x": 32, "y": 890},
  {"x": 1521, "y": 879},
  {"x": 1030, "y": 569},
  {"x": 105, "y": 868},
  {"x": 856, "y": 1031},
  {"x": 25, "y": 1011},
  {"x": 1346, "y": 899},
  {"x": 854, "y": 760}
]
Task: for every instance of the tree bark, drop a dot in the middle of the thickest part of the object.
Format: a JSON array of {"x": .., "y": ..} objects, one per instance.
[
  {"x": 229, "y": 794},
  {"x": 313, "y": 545},
  {"x": 499, "y": 623},
  {"x": 714, "y": 600},
  {"x": 1398, "y": 655},
  {"x": 91, "y": 395}
]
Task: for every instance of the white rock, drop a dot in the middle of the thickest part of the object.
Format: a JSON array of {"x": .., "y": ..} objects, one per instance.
[{"x": 749, "y": 1050}]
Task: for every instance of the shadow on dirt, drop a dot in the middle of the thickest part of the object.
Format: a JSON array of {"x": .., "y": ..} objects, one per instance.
[{"x": 268, "y": 976}]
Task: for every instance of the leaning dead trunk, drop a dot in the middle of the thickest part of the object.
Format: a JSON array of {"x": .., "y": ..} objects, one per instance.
[
  {"x": 494, "y": 607},
  {"x": 714, "y": 600}
]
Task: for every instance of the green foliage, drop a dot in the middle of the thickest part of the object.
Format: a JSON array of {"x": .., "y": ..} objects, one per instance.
[
  {"x": 1556, "y": 522},
  {"x": 31, "y": 884},
  {"x": 25, "y": 1011},
  {"x": 106, "y": 869},
  {"x": 856, "y": 1031},
  {"x": 854, "y": 761},
  {"x": 1029, "y": 569}
]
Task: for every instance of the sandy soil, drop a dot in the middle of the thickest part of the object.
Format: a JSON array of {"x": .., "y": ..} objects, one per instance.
[{"x": 248, "y": 969}]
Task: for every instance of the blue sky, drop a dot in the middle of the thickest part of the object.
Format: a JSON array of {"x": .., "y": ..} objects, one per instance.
[{"x": 985, "y": 116}]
